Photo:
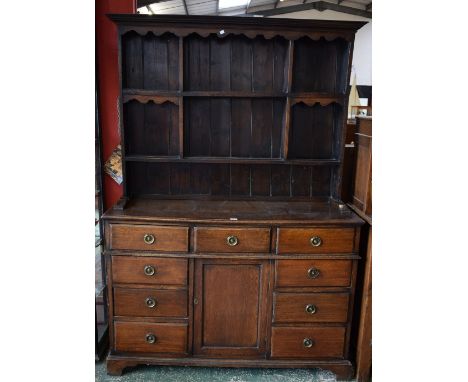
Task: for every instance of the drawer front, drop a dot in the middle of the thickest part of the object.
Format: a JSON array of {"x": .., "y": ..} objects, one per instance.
[
  {"x": 253, "y": 240},
  {"x": 315, "y": 240},
  {"x": 150, "y": 302},
  {"x": 149, "y": 238},
  {"x": 150, "y": 337},
  {"x": 149, "y": 270},
  {"x": 310, "y": 307},
  {"x": 307, "y": 342},
  {"x": 311, "y": 273}
]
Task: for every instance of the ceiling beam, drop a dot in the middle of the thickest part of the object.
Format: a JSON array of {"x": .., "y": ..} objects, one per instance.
[
  {"x": 185, "y": 7},
  {"x": 144, "y": 3},
  {"x": 318, "y": 5},
  {"x": 246, "y": 8}
]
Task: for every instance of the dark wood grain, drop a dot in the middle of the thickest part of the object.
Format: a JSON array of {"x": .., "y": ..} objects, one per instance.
[
  {"x": 294, "y": 273},
  {"x": 251, "y": 240},
  {"x": 169, "y": 239},
  {"x": 328, "y": 307},
  {"x": 232, "y": 127},
  {"x": 322, "y": 212},
  {"x": 287, "y": 342},
  {"x": 362, "y": 188},
  {"x": 364, "y": 339},
  {"x": 132, "y": 302},
  {"x": 297, "y": 240},
  {"x": 230, "y": 313},
  {"x": 130, "y": 270},
  {"x": 170, "y": 338}
]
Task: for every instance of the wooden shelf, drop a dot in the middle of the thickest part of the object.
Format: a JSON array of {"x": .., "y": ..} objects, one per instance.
[
  {"x": 231, "y": 117},
  {"x": 175, "y": 159},
  {"x": 235, "y": 94}
]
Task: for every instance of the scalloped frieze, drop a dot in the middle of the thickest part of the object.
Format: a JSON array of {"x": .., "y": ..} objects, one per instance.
[
  {"x": 158, "y": 100},
  {"x": 251, "y": 34},
  {"x": 325, "y": 101}
]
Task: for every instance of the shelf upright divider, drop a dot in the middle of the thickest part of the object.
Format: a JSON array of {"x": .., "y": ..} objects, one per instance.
[
  {"x": 287, "y": 111},
  {"x": 181, "y": 97}
]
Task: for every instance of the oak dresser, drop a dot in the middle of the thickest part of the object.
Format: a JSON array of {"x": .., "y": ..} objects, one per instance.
[{"x": 230, "y": 246}]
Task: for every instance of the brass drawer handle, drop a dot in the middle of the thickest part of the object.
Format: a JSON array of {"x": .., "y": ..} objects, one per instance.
[
  {"x": 313, "y": 273},
  {"x": 149, "y": 238},
  {"x": 149, "y": 270},
  {"x": 308, "y": 343},
  {"x": 150, "y": 338},
  {"x": 315, "y": 241},
  {"x": 150, "y": 302},
  {"x": 311, "y": 309},
  {"x": 232, "y": 241}
]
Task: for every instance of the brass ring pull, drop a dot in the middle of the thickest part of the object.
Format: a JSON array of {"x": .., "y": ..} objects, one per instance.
[
  {"x": 313, "y": 273},
  {"x": 150, "y": 338},
  {"x": 149, "y": 238},
  {"x": 149, "y": 270},
  {"x": 308, "y": 343},
  {"x": 315, "y": 241},
  {"x": 232, "y": 241},
  {"x": 311, "y": 309},
  {"x": 150, "y": 302}
]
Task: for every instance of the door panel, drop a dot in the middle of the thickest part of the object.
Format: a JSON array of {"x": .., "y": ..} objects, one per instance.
[{"x": 230, "y": 314}]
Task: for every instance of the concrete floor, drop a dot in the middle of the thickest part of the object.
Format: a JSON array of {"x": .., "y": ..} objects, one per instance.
[{"x": 205, "y": 374}]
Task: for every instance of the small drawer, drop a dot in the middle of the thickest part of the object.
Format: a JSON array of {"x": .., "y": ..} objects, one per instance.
[
  {"x": 150, "y": 337},
  {"x": 315, "y": 240},
  {"x": 253, "y": 240},
  {"x": 148, "y": 238},
  {"x": 310, "y": 307},
  {"x": 150, "y": 302},
  {"x": 149, "y": 270},
  {"x": 311, "y": 273},
  {"x": 307, "y": 342}
]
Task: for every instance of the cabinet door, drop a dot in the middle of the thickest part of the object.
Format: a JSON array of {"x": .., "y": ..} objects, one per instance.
[{"x": 230, "y": 311}]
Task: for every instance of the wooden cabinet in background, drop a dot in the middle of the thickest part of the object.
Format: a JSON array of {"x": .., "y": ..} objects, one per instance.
[
  {"x": 362, "y": 204},
  {"x": 362, "y": 189},
  {"x": 231, "y": 246}
]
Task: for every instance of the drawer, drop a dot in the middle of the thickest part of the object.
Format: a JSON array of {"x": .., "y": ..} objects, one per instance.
[
  {"x": 150, "y": 302},
  {"x": 315, "y": 240},
  {"x": 150, "y": 337},
  {"x": 311, "y": 273},
  {"x": 310, "y": 307},
  {"x": 307, "y": 342},
  {"x": 148, "y": 238},
  {"x": 149, "y": 270},
  {"x": 253, "y": 240}
]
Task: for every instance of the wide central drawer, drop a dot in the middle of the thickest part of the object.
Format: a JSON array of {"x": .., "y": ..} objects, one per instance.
[
  {"x": 149, "y": 270},
  {"x": 139, "y": 302},
  {"x": 315, "y": 240},
  {"x": 310, "y": 307},
  {"x": 308, "y": 342},
  {"x": 149, "y": 238},
  {"x": 213, "y": 239},
  {"x": 150, "y": 337},
  {"x": 311, "y": 273}
]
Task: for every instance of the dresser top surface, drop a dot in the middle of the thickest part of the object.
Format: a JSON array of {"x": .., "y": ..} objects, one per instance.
[{"x": 235, "y": 212}]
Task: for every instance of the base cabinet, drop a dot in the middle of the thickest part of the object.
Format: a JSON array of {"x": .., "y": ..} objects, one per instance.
[{"x": 220, "y": 304}]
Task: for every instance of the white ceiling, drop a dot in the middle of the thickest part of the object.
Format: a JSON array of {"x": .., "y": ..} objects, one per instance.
[{"x": 341, "y": 10}]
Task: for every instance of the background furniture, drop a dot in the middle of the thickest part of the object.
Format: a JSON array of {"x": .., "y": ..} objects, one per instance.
[
  {"x": 231, "y": 246},
  {"x": 362, "y": 204}
]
